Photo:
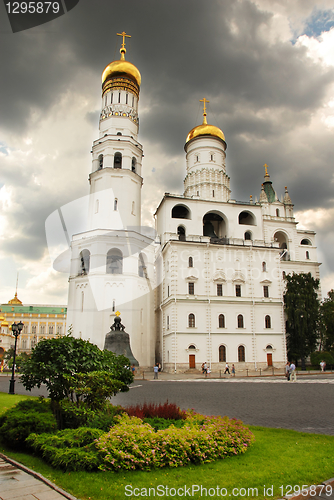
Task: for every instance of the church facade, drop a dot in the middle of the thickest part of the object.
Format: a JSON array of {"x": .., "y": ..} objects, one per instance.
[{"x": 208, "y": 283}]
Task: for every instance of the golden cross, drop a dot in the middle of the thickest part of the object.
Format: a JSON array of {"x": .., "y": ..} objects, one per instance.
[
  {"x": 266, "y": 168},
  {"x": 204, "y": 107},
  {"x": 123, "y": 34},
  {"x": 117, "y": 313}
]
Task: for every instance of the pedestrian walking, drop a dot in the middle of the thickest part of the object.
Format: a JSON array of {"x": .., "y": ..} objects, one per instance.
[
  {"x": 156, "y": 371},
  {"x": 205, "y": 369},
  {"x": 233, "y": 370},
  {"x": 293, "y": 374},
  {"x": 322, "y": 365},
  {"x": 287, "y": 371},
  {"x": 227, "y": 369}
]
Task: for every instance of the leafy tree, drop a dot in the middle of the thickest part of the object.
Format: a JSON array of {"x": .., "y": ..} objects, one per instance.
[
  {"x": 53, "y": 360},
  {"x": 327, "y": 321},
  {"x": 302, "y": 315}
]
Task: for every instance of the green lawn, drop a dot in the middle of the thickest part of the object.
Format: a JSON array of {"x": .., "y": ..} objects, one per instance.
[{"x": 277, "y": 458}]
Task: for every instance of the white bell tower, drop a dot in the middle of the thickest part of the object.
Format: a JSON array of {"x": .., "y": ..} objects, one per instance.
[{"x": 112, "y": 263}]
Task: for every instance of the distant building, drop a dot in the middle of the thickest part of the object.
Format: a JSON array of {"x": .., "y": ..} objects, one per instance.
[{"x": 40, "y": 321}]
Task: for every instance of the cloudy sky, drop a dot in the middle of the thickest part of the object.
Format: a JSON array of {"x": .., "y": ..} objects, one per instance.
[{"x": 266, "y": 66}]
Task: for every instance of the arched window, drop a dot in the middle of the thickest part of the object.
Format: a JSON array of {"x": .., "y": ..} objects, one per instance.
[
  {"x": 219, "y": 289},
  {"x": 247, "y": 218},
  {"x": 247, "y": 235},
  {"x": 100, "y": 158},
  {"x": 221, "y": 321},
  {"x": 240, "y": 321},
  {"x": 305, "y": 242},
  {"x": 222, "y": 354},
  {"x": 50, "y": 329},
  {"x": 191, "y": 320},
  {"x": 190, "y": 262},
  {"x": 118, "y": 160},
  {"x": 181, "y": 212},
  {"x": 307, "y": 254},
  {"x": 142, "y": 271},
  {"x": 192, "y": 346},
  {"x": 266, "y": 291},
  {"x": 182, "y": 233},
  {"x": 133, "y": 164},
  {"x": 114, "y": 261},
  {"x": 277, "y": 212},
  {"x": 84, "y": 262},
  {"x": 42, "y": 329},
  {"x": 267, "y": 321},
  {"x": 241, "y": 354},
  {"x": 264, "y": 266},
  {"x": 115, "y": 204}
]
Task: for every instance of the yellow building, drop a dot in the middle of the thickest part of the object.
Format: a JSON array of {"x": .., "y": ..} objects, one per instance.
[{"x": 40, "y": 321}]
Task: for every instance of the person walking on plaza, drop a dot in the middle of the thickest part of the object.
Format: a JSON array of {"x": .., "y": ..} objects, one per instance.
[
  {"x": 322, "y": 365},
  {"x": 205, "y": 368},
  {"x": 293, "y": 374},
  {"x": 227, "y": 369},
  {"x": 287, "y": 371},
  {"x": 156, "y": 371},
  {"x": 233, "y": 370}
]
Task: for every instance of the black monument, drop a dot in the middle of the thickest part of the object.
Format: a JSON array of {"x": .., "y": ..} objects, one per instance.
[{"x": 118, "y": 341}]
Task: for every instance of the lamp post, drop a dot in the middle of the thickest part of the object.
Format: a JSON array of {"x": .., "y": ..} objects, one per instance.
[{"x": 16, "y": 330}]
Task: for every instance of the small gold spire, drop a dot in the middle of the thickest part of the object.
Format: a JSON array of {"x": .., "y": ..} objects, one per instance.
[
  {"x": 123, "y": 49},
  {"x": 204, "y": 109},
  {"x": 266, "y": 169},
  {"x": 117, "y": 313}
]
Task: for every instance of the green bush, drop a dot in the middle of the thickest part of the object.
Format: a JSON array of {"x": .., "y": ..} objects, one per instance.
[
  {"x": 162, "y": 423},
  {"x": 70, "y": 449},
  {"x": 104, "y": 419},
  {"x": 26, "y": 417},
  {"x": 132, "y": 444},
  {"x": 318, "y": 356}
]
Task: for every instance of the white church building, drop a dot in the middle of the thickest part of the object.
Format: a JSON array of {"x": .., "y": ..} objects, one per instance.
[{"x": 207, "y": 284}]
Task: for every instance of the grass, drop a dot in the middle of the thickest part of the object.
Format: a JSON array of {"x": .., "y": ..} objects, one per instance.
[
  {"x": 277, "y": 458},
  {"x": 9, "y": 400}
]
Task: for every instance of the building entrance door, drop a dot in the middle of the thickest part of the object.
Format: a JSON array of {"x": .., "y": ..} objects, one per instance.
[
  {"x": 192, "y": 363},
  {"x": 269, "y": 359}
]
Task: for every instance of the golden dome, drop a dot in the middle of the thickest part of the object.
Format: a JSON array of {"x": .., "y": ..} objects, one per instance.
[
  {"x": 121, "y": 68},
  {"x": 205, "y": 129},
  {"x": 4, "y": 323},
  {"x": 15, "y": 300}
]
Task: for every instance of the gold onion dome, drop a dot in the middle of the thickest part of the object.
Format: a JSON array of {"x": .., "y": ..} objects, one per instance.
[
  {"x": 205, "y": 129},
  {"x": 121, "y": 68},
  {"x": 121, "y": 74}
]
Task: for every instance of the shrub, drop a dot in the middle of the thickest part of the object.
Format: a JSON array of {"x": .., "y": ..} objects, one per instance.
[
  {"x": 24, "y": 418},
  {"x": 131, "y": 444},
  {"x": 104, "y": 419},
  {"x": 163, "y": 423},
  {"x": 151, "y": 410},
  {"x": 318, "y": 356},
  {"x": 71, "y": 415},
  {"x": 70, "y": 449}
]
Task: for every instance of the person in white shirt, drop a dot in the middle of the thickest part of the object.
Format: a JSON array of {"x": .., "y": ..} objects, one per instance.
[{"x": 293, "y": 374}]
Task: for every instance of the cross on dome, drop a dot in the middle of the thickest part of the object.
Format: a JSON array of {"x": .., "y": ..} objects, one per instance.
[
  {"x": 123, "y": 49},
  {"x": 204, "y": 101}
]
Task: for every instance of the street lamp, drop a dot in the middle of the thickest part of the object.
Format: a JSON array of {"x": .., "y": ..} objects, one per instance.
[{"x": 16, "y": 330}]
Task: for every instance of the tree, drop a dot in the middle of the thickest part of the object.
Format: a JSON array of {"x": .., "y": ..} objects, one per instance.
[
  {"x": 54, "y": 361},
  {"x": 327, "y": 321},
  {"x": 302, "y": 315}
]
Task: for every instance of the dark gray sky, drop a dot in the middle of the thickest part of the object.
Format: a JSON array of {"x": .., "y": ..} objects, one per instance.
[{"x": 266, "y": 67}]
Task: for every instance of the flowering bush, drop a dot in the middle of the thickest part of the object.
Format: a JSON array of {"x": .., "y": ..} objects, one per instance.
[
  {"x": 132, "y": 444},
  {"x": 166, "y": 410}
]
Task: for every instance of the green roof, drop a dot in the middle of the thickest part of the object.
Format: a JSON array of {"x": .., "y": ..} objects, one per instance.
[{"x": 20, "y": 308}]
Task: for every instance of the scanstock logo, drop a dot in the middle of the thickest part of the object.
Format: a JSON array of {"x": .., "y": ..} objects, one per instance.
[
  {"x": 25, "y": 15},
  {"x": 72, "y": 219}
]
